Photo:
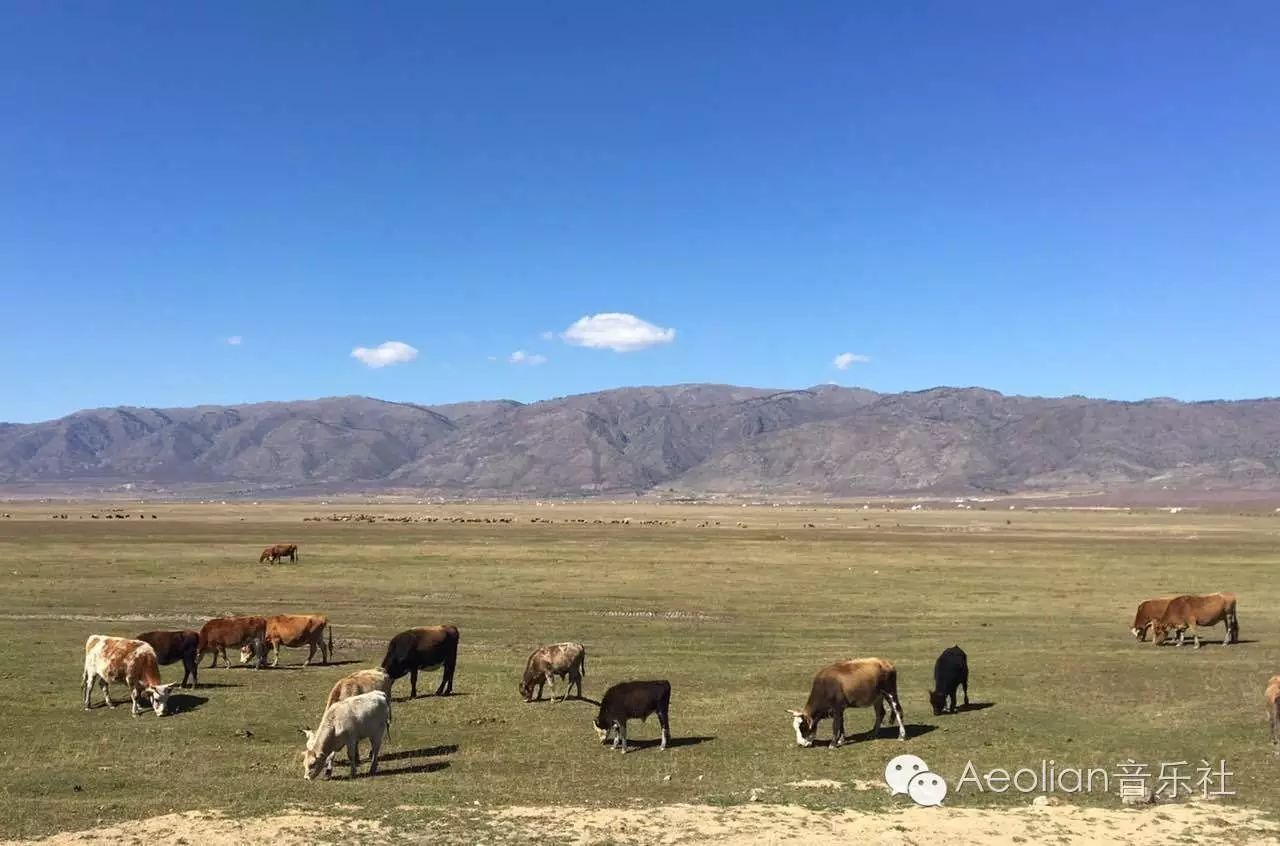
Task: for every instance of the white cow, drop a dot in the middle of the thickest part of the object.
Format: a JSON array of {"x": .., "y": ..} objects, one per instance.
[{"x": 346, "y": 723}]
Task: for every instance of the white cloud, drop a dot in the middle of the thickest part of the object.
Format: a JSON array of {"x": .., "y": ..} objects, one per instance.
[
  {"x": 235, "y": 340},
  {"x": 617, "y": 332},
  {"x": 522, "y": 357},
  {"x": 845, "y": 360},
  {"x": 384, "y": 354},
  {"x": 548, "y": 335}
]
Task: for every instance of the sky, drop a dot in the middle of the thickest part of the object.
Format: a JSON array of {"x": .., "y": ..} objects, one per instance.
[{"x": 433, "y": 202}]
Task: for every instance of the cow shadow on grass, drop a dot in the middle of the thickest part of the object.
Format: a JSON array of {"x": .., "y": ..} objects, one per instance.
[
  {"x": 310, "y": 666},
  {"x": 432, "y": 767},
  {"x": 181, "y": 703},
  {"x": 426, "y": 752},
  {"x": 213, "y": 685},
  {"x": 557, "y": 700},
  {"x": 406, "y": 697},
  {"x": 886, "y": 733},
  {"x": 1190, "y": 645},
  {"x": 974, "y": 706},
  {"x": 673, "y": 743}
]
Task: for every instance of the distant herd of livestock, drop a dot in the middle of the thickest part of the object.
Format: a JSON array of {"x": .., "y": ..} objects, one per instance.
[{"x": 359, "y": 706}]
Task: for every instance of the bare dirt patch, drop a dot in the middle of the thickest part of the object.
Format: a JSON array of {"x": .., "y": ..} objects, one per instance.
[
  {"x": 761, "y": 824},
  {"x": 212, "y": 828}
]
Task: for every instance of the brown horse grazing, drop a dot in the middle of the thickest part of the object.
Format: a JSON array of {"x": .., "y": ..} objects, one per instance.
[
  {"x": 276, "y": 552},
  {"x": 1189, "y": 612}
]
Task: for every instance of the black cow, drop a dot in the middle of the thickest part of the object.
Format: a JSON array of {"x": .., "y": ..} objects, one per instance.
[
  {"x": 633, "y": 700},
  {"x": 426, "y": 648},
  {"x": 950, "y": 671},
  {"x": 173, "y": 646}
]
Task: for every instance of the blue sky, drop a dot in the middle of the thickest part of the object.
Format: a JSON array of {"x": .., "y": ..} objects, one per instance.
[{"x": 1037, "y": 198}]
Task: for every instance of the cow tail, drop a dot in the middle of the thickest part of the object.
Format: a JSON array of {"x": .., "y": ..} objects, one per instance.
[
  {"x": 584, "y": 662},
  {"x": 330, "y": 628}
]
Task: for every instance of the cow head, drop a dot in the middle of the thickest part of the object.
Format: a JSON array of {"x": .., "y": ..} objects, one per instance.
[
  {"x": 160, "y": 697},
  {"x": 602, "y": 732},
  {"x": 312, "y": 761},
  {"x": 1140, "y": 633},
  {"x": 805, "y": 727},
  {"x": 1159, "y": 631},
  {"x": 246, "y": 653},
  {"x": 938, "y": 701}
]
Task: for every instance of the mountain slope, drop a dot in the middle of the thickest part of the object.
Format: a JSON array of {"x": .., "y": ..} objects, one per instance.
[{"x": 689, "y": 437}]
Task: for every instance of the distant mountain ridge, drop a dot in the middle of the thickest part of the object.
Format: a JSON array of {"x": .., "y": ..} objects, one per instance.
[{"x": 695, "y": 438}]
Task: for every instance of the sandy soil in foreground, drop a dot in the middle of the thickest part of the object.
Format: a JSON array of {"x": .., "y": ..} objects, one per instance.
[{"x": 735, "y": 826}]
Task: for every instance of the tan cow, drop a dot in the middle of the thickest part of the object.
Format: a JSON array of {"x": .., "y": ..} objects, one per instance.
[
  {"x": 1189, "y": 612},
  {"x": 277, "y": 551},
  {"x": 361, "y": 681},
  {"x": 849, "y": 684},
  {"x": 108, "y": 659},
  {"x": 567, "y": 660},
  {"x": 1273, "y": 710},
  {"x": 294, "y": 630},
  {"x": 222, "y": 632},
  {"x": 1149, "y": 611}
]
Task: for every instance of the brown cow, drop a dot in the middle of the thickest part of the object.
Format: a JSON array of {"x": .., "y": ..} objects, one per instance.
[
  {"x": 423, "y": 649},
  {"x": 1273, "y": 710},
  {"x": 181, "y": 646},
  {"x": 277, "y": 551},
  {"x": 361, "y": 681},
  {"x": 1149, "y": 611},
  {"x": 849, "y": 684},
  {"x": 1188, "y": 612},
  {"x": 294, "y": 630},
  {"x": 108, "y": 659},
  {"x": 222, "y": 632},
  {"x": 567, "y": 660}
]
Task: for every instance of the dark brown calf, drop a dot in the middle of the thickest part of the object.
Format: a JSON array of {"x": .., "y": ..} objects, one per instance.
[
  {"x": 425, "y": 648},
  {"x": 633, "y": 700},
  {"x": 174, "y": 646}
]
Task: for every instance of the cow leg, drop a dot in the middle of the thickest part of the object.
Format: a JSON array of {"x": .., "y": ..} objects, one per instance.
[
  {"x": 837, "y": 728},
  {"x": 413, "y": 683},
  {"x": 1226, "y": 637},
  {"x": 877, "y": 708},
  {"x": 273, "y": 645},
  {"x": 102, "y": 682},
  {"x": 965, "y": 685},
  {"x": 622, "y": 734},
  {"x": 897, "y": 714},
  {"x": 375, "y": 744},
  {"x": 310, "y": 654},
  {"x": 1195, "y": 634},
  {"x": 568, "y": 686},
  {"x": 87, "y": 684},
  {"x": 551, "y": 682},
  {"x": 214, "y": 662},
  {"x": 663, "y": 721},
  {"x": 133, "y": 696},
  {"x": 353, "y": 754}
]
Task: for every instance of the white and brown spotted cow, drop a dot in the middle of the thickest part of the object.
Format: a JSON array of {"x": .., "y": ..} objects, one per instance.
[
  {"x": 108, "y": 659},
  {"x": 567, "y": 660}
]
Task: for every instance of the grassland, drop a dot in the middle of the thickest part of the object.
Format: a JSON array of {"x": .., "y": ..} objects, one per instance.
[{"x": 736, "y": 606}]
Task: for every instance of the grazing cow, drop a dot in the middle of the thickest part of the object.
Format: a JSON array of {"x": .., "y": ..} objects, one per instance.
[
  {"x": 568, "y": 660},
  {"x": 950, "y": 671},
  {"x": 276, "y": 552},
  {"x": 361, "y": 681},
  {"x": 633, "y": 700},
  {"x": 344, "y": 725},
  {"x": 1148, "y": 612},
  {"x": 222, "y": 632},
  {"x": 1189, "y": 612},
  {"x": 425, "y": 648},
  {"x": 1273, "y": 710},
  {"x": 108, "y": 659},
  {"x": 176, "y": 646},
  {"x": 849, "y": 684},
  {"x": 293, "y": 630}
]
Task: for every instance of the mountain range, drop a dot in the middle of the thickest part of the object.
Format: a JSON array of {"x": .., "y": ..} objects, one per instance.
[{"x": 825, "y": 440}]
